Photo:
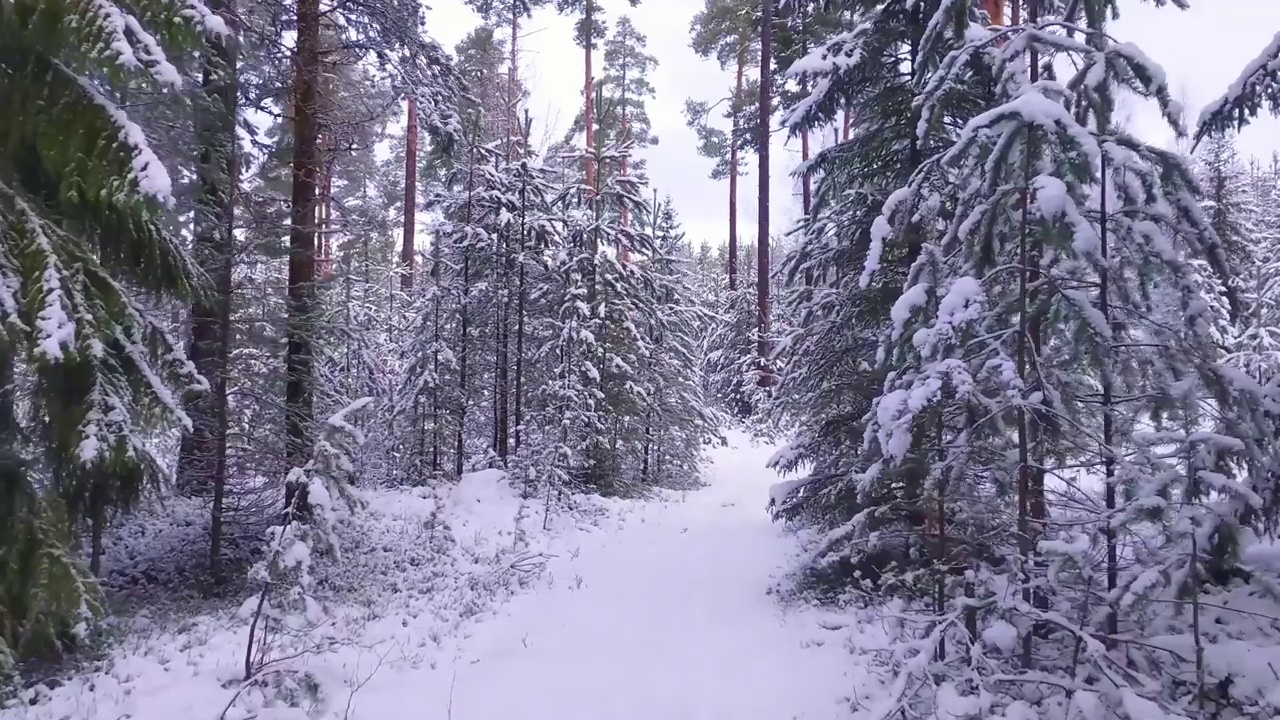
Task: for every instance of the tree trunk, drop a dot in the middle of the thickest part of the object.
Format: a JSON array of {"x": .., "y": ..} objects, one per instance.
[
  {"x": 464, "y": 323},
  {"x": 1108, "y": 415},
  {"x": 806, "y": 192},
  {"x": 513, "y": 81},
  {"x": 501, "y": 399},
  {"x": 463, "y": 329},
  {"x": 738, "y": 84},
  {"x": 1037, "y": 507},
  {"x": 624, "y": 253},
  {"x": 197, "y": 471},
  {"x": 588, "y": 98},
  {"x": 202, "y": 454},
  {"x": 762, "y": 231},
  {"x": 299, "y": 363},
  {"x": 97, "y": 523},
  {"x": 521, "y": 293},
  {"x": 436, "y": 339},
  {"x": 410, "y": 195},
  {"x": 995, "y": 9}
]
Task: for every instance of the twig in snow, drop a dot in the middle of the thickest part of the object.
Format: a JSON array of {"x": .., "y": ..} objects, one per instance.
[
  {"x": 454, "y": 681},
  {"x": 346, "y": 714}
]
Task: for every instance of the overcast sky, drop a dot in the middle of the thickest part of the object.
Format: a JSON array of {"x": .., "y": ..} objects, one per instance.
[{"x": 1202, "y": 51}]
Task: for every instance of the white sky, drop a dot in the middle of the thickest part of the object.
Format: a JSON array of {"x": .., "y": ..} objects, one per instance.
[{"x": 1202, "y": 51}]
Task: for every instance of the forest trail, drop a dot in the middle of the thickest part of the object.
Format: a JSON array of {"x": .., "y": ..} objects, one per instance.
[{"x": 669, "y": 617}]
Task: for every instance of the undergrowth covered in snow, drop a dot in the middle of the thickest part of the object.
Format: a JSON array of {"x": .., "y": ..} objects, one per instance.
[{"x": 415, "y": 566}]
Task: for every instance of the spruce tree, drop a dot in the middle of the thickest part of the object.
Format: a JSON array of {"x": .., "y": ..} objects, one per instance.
[
  {"x": 1255, "y": 342},
  {"x": 83, "y": 203},
  {"x": 1258, "y": 86},
  {"x": 1053, "y": 380}
]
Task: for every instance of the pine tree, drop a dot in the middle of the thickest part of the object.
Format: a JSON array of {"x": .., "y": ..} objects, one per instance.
[
  {"x": 589, "y": 30},
  {"x": 424, "y": 70},
  {"x": 724, "y": 29},
  {"x": 619, "y": 97},
  {"x": 764, "y": 233},
  {"x": 625, "y": 87}
]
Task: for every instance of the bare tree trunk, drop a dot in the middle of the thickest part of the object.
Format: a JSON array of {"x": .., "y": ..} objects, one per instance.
[
  {"x": 762, "y": 232},
  {"x": 299, "y": 361},
  {"x": 410, "y": 195}
]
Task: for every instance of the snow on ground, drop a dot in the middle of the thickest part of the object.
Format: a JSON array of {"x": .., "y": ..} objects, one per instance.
[
  {"x": 667, "y": 617},
  {"x": 658, "y": 610}
]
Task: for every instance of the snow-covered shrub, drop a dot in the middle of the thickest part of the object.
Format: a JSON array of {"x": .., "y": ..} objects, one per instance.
[
  {"x": 286, "y": 617},
  {"x": 162, "y": 549}
]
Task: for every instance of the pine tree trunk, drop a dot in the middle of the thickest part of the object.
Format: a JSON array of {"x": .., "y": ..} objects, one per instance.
[
  {"x": 301, "y": 300},
  {"x": 738, "y": 90},
  {"x": 588, "y": 98},
  {"x": 513, "y": 81},
  {"x": 410, "y": 195},
  {"x": 762, "y": 231},
  {"x": 995, "y": 9}
]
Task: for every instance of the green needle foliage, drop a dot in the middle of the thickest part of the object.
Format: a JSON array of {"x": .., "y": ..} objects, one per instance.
[{"x": 82, "y": 237}]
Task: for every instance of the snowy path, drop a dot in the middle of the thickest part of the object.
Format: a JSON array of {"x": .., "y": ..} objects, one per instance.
[{"x": 667, "y": 618}]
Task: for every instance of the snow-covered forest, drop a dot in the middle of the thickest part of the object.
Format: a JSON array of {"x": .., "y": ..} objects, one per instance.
[{"x": 335, "y": 384}]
